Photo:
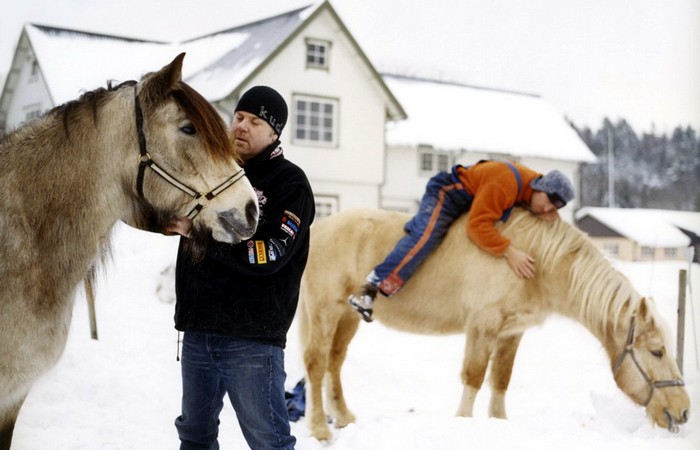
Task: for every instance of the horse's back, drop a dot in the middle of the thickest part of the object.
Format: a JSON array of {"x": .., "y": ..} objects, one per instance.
[
  {"x": 456, "y": 280},
  {"x": 355, "y": 240}
]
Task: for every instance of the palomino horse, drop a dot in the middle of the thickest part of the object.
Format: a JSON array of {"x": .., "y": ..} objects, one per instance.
[
  {"x": 152, "y": 154},
  {"x": 461, "y": 289}
]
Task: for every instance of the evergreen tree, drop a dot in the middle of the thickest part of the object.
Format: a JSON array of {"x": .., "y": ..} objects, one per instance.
[{"x": 650, "y": 171}]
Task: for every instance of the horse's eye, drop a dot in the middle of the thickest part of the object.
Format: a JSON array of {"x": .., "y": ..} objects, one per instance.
[
  {"x": 189, "y": 129},
  {"x": 658, "y": 353}
]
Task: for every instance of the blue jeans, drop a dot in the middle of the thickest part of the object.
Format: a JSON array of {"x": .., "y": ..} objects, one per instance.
[
  {"x": 444, "y": 200},
  {"x": 253, "y": 376}
]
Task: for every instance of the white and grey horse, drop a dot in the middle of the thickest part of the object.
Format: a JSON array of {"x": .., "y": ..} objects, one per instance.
[{"x": 152, "y": 153}]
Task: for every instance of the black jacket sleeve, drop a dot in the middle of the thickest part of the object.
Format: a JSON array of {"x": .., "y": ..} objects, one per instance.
[{"x": 280, "y": 234}]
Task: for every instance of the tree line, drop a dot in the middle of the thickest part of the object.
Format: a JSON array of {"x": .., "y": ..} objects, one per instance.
[{"x": 650, "y": 170}]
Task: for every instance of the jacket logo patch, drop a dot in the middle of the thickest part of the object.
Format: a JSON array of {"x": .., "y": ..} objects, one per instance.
[
  {"x": 260, "y": 252},
  {"x": 290, "y": 223},
  {"x": 251, "y": 252}
]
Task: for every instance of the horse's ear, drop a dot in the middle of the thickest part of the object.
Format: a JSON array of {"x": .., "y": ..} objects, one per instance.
[
  {"x": 159, "y": 84},
  {"x": 174, "y": 70},
  {"x": 643, "y": 309}
]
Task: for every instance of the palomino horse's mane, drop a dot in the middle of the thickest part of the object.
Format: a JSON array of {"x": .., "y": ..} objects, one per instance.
[
  {"x": 208, "y": 123},
  {"x": 601, "y": 292}
]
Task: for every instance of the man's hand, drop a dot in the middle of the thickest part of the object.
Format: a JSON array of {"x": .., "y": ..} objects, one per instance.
[
  {"x": 521, "y": 263},
  {"x": 549, "y": 216},
  {"x": 181, "y": 226}
]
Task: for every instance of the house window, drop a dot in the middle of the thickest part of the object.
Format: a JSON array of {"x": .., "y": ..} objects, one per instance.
[
  {"x": 317, "y": 53},
  {"x": 647, "y": 252},
  {"x": 431, "y": 161},
  {"x": 316, "y": 121},
  {"x": 670, "y": 252},
  {"x": 325, "y": 205},
  {"x": 611, "y": 249},
  {"x": 34, "y": 72},
  {"x": 32, "y": 111}
]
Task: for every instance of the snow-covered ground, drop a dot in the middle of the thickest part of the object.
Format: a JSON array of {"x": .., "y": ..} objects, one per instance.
[{"x": 123, "y": 391}]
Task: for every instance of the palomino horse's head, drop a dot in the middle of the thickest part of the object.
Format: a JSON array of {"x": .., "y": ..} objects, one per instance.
[
  {"x": 647, "y": 372},
  {"x": 187, "y": 177}
]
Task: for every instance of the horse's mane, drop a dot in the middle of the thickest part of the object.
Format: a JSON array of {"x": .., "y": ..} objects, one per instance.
[
  {"x": 600, "y": 291},
  {"x": 206, "y": 120}
]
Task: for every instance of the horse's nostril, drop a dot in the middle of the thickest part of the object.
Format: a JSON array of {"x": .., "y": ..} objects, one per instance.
[
  {"x": 686, "y": 415},
  {"x": 251, "y": 212}
]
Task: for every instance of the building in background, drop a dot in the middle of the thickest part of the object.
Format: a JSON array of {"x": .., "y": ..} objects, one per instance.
[
  {"x": 642, "y": 234},
  {"x": 451, "y": 124}
]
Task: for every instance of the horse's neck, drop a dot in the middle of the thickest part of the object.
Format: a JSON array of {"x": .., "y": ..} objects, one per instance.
[{"x": 69, "y": 194}]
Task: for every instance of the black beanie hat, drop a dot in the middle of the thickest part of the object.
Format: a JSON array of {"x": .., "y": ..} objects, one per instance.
[{"x": 266, "y": 103}]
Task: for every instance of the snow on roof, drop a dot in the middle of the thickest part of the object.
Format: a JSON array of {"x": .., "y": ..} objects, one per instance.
[
  {"x": 226, "y": 73},
  {"x": 647, "y": 227},
  {"x": 215, "y": 64},
  {"x": 455, "y": 117},
  {"x": 95, "y": 60}
]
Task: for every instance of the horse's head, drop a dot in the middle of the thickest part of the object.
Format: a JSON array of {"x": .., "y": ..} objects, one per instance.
[
  {"x": 647, "y": 372},
  {"x": 187, "y": 180}
]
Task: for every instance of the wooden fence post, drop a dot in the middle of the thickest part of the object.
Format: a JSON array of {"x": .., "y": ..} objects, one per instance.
[
  {"x": 90, "y": 295},
  {"x": 680, "y": 336}
]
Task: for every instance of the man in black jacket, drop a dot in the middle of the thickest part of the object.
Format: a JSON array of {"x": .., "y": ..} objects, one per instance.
[{"x": 236, "y": 302}]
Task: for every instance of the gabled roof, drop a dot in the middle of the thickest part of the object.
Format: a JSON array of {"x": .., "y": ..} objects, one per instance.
[
  {"x": 647, "y": 227},
  {"x": 456, "y": 117},
  {"x": 256, "y": 42},
  {"x": 217, "y": 64}
]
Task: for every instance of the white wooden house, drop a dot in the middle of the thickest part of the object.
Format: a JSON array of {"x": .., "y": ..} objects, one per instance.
[
  {"x": 347, "y": 126},
  {"x": 456, "y": 124}
]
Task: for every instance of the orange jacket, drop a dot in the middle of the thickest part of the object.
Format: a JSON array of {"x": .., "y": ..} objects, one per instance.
[{"x": 494, "y": 187}]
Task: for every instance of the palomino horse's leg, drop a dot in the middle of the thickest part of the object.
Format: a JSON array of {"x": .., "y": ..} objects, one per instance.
[
  {"x": 322, "y": 323},
  {"x": 476, "y": 359},
  {"x": 347, "y": 327},
  {"x": 501, "y": 370},
  {"x": 7, "y": 424}
]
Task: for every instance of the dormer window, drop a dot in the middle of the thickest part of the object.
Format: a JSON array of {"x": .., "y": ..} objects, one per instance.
[
  {"x": 34, "y": 71},
  {"x": 317, "y": 52}
]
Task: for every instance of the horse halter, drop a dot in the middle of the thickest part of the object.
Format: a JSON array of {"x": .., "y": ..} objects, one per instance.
[
  {"x": 145, "y": 160},
  {"x": 629, "y": 350}
]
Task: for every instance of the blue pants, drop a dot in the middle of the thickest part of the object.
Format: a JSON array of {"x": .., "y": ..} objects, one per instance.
[
  {"x": 444, "y": 200},
  {"x": 253, "y": 376}
]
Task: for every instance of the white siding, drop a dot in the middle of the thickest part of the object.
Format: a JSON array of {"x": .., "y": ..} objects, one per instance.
[
  {"x": 31, "y": 93},
  {"x": 354, "y": 169}
]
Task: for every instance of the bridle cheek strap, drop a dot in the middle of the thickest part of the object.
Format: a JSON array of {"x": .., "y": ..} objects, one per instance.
[
  {"x": 629, "y": 350},
  {"x": 145, "y": 161}
]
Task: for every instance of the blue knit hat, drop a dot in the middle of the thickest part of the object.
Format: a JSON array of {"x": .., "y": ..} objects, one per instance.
[
  {"x": 556, "y": 185},
  {"x": 266, "y": 103}
]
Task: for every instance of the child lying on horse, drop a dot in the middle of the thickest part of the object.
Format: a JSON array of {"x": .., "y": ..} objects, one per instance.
[{"x": 489, "y": 190}]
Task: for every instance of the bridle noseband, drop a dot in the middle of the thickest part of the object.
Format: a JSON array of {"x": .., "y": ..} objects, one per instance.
[
  {"x": 629, "y": 350},
  {"x": 146, "y": 161}
]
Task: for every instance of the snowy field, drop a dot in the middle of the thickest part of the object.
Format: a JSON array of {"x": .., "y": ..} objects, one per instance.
[{"x": 123, "y": 391}]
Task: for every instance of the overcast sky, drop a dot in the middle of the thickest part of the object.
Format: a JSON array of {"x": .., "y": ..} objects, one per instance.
[{"x": 632, "y": 59}]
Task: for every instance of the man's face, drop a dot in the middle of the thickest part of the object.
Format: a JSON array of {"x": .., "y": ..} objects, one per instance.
[
  {"x": 250, "y": 134},
  {"x": 542, "y": 207}
]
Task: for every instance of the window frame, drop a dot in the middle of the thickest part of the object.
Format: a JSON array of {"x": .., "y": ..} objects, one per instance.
[
  {"x": 319, "y": 128},
  {"x": 314, "y": 58},
  {"x": 432, "y": 161},
  {"x": 326, "y": 205}
]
